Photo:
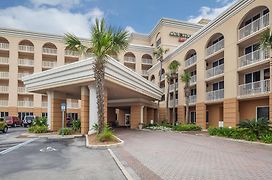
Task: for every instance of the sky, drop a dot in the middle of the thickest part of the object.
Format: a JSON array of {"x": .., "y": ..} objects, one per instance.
[{"x": 77, "y": 16}]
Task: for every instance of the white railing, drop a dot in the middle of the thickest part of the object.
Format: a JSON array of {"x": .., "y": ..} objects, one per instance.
[
  {"x": 192, "y": 99},
  {"x": 26, "y": 48},
  {"x": 4, "y": 74},
  {"x": 253, "y": 57},
  {"x": 20, "y": 75},
  {"x": 190, "y": 61},
  {"x": 215, "y": 47},
  {"x": 3, "y": 103},
  {"x": 71, "y": 53},
  {"x": 172, "y": 86},
  {"x": 254, "y": 88},
  {"x": 215, "y": 71},
  {"x": 49, "y": 51},
  {"x": 193, "y": 79},
  {"x": 4, "y": 89},
  {"x": 171, "y": 103},
  {"x": 255, "y": 26},
  {"x": 147, "y": 61},
  {"x": 4, "y": 46},
  {"x": 162, "y": 77},
  {"x": 49, "y": 64},
  {"x": 129, "y": 59},
  {"x": 73, "y": 105},
  {"x": 25, "y": 103},
  {"x": 4, "y": 60},
  {"x": 215, "y": 95},
  {"x": 144, "y": 73},
  {"x": 22, "y": 90},
  {"x": 26, "y": 62},
  {"x": 44, "y": 104}
]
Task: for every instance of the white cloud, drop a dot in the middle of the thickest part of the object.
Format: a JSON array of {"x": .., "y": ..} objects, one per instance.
[
  {"x": 49, "y": 20},
  {"x": 67, "y": 4},
  {"x": 130, "y": 29},
  {"x": 211, "y": 13}
]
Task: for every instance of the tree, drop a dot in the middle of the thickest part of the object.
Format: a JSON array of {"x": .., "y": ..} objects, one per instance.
[
  {"x": 105, "y": 40},
  {"x": 266, "y": 39},
  {"x": 173, "y": 67},
  {"x": 185, "y": 78},
  {"x": 168, "y": 80}
]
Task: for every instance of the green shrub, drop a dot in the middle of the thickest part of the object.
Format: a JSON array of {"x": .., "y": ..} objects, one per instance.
[
  {"x": 266, "y": 138},
  {"x": 186, "y": 127},
  {"x": 66, "y": 131},
  {"x": 258, "y": 127},
  {"x": 40, "y": 121},
  {"x": 38, "y": 129},
  {"x": 166, "y": 124},
  {"x": 106, "y": 135},
  {"x": 76, "y": 124}
]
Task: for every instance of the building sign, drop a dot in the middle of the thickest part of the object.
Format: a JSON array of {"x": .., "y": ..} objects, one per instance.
[{"x": 182, "y": 37}]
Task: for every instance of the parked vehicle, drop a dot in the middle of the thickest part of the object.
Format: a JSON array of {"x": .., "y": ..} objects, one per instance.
[
  {"x": 28, "y": 120},
  {"x": 13, "y": 121},
  {"x": 3, "y": 125}
]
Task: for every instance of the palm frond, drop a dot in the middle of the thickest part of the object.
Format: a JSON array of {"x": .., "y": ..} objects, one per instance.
[
  {"x": 266, "y": 39},
  {"x": 185, "y": 77},
  {"x": 73, "y": 43},
  {"x": 173, "y": 66}
]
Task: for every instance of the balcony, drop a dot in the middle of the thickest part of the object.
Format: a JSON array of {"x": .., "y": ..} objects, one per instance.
[
  {"x": 20, "y": 75},
  {"x": 26, "y": 62},
  {"x": 162, "y": 77},
  {"x": 193, "y": 80},
  {"x": 172, "y": 86},
  {"x": 254, "y": 27},
  {"x": 71, "y": 53},
  {"x": 49, "y": 64},
  {"x": 3, "y": 103},
  {"x": 171, "y": 103},
  {"x": 254, "y": 88},
  {"x": 4, "y": 46},
  {"x": 163, "y": 89},
  {"x": 215, "y": 95},
  {"x": 4, "y": 89},
  {"x": 190, "y": 61},
  {"x": 72, "y": 105},
  {"x": 253, "y": 58},
  {"x": 4, "y": 60},
  {"x": 25, "y": 103},
  {"x": 217, "y": 70},
  {"x": 44, "y": 104},
  {"x": 22, "y": 90},
  {"x": 144, "y": 73},
  {"x": 192, "y": 99},
  {"x": 24, "y": 48},
  {"x": 4, "y": 75},
  {"x": 128, "y": 59},
  {"x": 215, "y": 48},
  {"x": 146, "y": 61},
  {"x": 50, "y": 51}
]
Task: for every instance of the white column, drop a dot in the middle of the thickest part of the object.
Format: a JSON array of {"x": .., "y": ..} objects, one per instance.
[
  {"x": 142, "y": 114},
  {"x": 49, "y": 104},
  {"x": 93, "y": 117}
]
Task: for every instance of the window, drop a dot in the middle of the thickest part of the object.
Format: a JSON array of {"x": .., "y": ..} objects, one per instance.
[
  {"x": 21, "y": 115},
  {"x": 193, "y": 92},
  {"x": 73, "y": 116},
  {"x": 251, "y": 48},
  {"x": 266, "y": 74},
  {"x": 218, "y": 85},
  {"x": 44, "y": 114},
  {"x": 158, "y": 42},
  {"x": 217, "y": 40},
  {"x": 218, "y": 62},
  {"x": 193, "y": 73},
  {"x": 262, "y": 112},
  {"x": 252, "y": 77},
  {"x": 193, "y": 117},
  {"x": 4, "y": 114}
]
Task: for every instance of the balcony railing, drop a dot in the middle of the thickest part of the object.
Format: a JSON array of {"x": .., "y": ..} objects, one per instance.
[
  {"x": 129, "y": 59},
  {"x": 4, "y": 60},
  {"x": 144, "y": 73},
  {"x": 4, "y": 89},
  {"x": 72, "y": 105},
  {"x": 172, "y": 86},
  {"x": 25, "y": 103},
  {"x": 254, "y": 27},
  {"x": 3, "y": 102},
  {"x": 147, "y": 61},
  {"x": 49, "y": 51},
  {"x": 26, "y": 62},
  {"x": 171, "y": 102},
  {"x": 20, "y": 75},
  {"x": 192, "y": 99},
  {"x": 215, "y": 47},
  {"x": 193, "y": 79},
  {"x": 44, "y": 104},
  {"x": 190, "y": 61},
  {"x": 215, "y": 71},
  {"x": 49, "y": 64},
  {"x": 254, "y": 57},
  {"x": 254, "y": 88},
  {"x": 71, "y": 53},
  {"x": 4, "y": 75},
  {"x": 162, "y": 77},
  {"x": 4, "y": 46},
  {"x": 215, "y": 95},
  {"x": 26, "y": 48},
  {"x": 22, "y": 90}
]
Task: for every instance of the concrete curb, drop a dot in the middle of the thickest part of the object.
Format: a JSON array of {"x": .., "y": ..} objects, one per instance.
[
  {"x": 104, "y": 146},
  {"x": 51, "y": 136},
  {"x": 120, "y": 165}
]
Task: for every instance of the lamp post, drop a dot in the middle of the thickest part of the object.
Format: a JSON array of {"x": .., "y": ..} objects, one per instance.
[{"x": 63, "y": 109}]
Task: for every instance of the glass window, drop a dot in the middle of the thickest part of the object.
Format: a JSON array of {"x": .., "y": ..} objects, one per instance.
[
  {"x": 193, "y": 116},
  {"x": 221, "y": 85},
  {"x": 267, "y": 74},
  {"x": 263, "y": 112}
]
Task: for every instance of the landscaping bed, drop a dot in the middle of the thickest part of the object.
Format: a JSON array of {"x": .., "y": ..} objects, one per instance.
[
  {"x": 169, "y": 127},
  {"x": 94, "y": 140}
]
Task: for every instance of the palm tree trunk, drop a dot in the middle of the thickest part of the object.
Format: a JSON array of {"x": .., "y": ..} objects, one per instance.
[
  {"x": 158, "y": 115},
  {"x": 99, "y": 70},
  {"x": 167, "y": 102},
  {"x": 174, "y": 103},
  {"x": 187, "y": 110}
]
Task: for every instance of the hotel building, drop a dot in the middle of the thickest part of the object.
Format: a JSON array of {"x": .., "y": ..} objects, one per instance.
[{"x": 230, "y": 74}]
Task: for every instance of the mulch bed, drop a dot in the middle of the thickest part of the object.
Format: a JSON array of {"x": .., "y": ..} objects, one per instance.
[{"x": 93, "y": 140}]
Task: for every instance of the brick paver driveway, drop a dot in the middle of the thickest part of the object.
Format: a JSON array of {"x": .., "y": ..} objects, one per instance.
[{"x": 167, "y": 155}]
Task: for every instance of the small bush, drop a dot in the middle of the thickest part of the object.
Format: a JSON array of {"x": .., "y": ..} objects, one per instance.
[
  {"x": 40, "y": 121},
  {"x": 38, "y": 129},
  {"x": 187, "y": 127},
  {"x": 166, "y": 124},
  {"x": 106, "y": 135},
  {"x": 266, "y": 138},
  {"x": 66, "y": 131},
  {"x": 257, "y": 127},
  {"x": 76, "y": 124}
]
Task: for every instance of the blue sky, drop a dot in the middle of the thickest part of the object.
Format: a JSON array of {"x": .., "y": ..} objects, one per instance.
[{"x": 76, "y": 16}]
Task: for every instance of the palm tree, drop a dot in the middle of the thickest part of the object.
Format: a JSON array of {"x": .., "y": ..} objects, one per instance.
[
  {"x": 266, "y": 39},
  {"x": 105, "y": 40},
  {"x": 185, "y": 78},
  {"x": 168, "y": 80},
  {"x": 173, "y": 67}
]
